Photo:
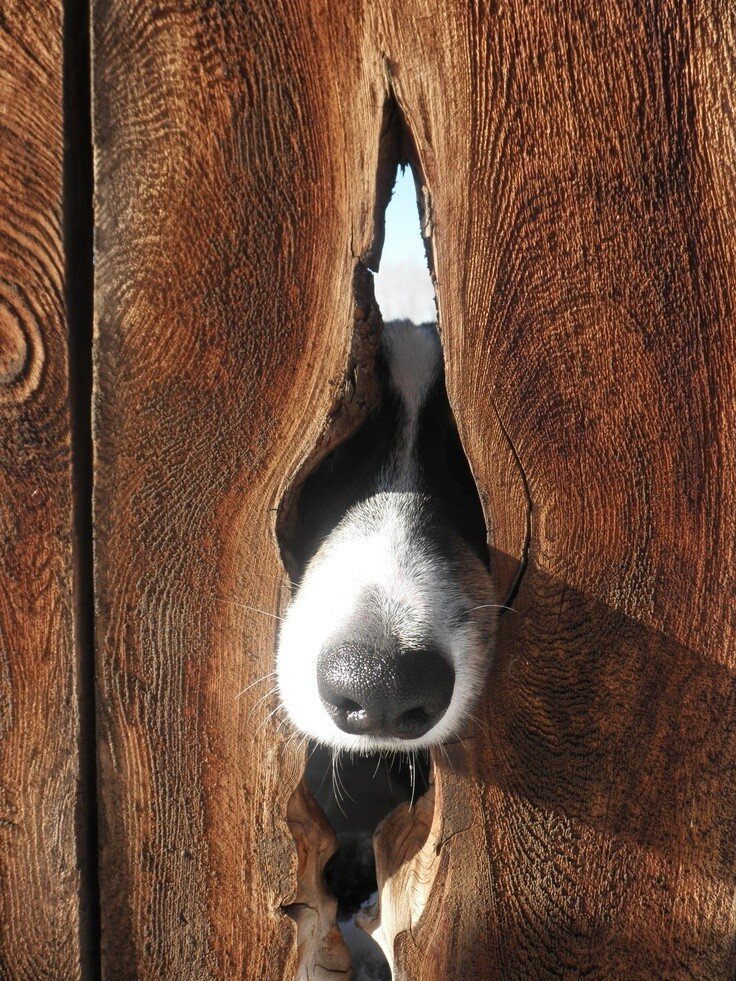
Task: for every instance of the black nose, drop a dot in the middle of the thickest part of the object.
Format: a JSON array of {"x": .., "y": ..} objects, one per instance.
[{"x": 399, "y": 695}]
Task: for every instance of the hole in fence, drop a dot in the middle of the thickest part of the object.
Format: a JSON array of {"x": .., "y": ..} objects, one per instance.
[
  {"x": 356, "y": 794},
  {"x": 386, "y": 640},
  {"x": 403, "y": 284}
]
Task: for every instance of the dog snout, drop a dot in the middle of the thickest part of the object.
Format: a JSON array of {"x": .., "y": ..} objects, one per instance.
[{"x": 399, "y": 695}]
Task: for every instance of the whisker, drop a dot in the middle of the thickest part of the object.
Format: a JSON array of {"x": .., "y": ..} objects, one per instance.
[
  {"x": 261, "y": 700},
  {"x": 291, "y": 738},
  {"x": 341, "y": 783},
  {"x": 458, "y": 737},
  {"x": 254, "y": 683},
  {"x": 481, "y": 725},
  {"x": 388, "y": 775},
  {"x": 244, "y": 606},
  {"x": 324, "y": 777},
  {"x": 294, "y": 742},
  {"x": 493, "y": 606},
  {"x": 334, "y": 787},
  {"x": 335, "y": 791},
  {"x": 267, "y": 719},
  {"x": 422, "y": 774},
  {"x": 336, "y": 764},
  {"x": 285, "y": 721}
]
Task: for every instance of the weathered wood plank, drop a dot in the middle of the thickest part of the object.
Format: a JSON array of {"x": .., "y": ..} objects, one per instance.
[
  {"x": 230, "y": 192},
  {"x": 580, "y": 164},
  {"x": 39, "y": 671}
]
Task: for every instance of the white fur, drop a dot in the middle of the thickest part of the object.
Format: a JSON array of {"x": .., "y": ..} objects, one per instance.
[{"x": 378, "y": 568}]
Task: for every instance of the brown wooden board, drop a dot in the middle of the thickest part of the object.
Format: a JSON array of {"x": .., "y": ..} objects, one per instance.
[
  {"x": 232, "y": 192},
  {"x": 577, "y": 165},
  {"x": 40, "y": 801},
  {"x": 580, "y": 165}
]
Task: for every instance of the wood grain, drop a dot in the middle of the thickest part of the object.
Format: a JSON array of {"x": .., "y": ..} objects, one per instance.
[
  {"x": 577, "y": 166},
  {"x": 579, "y": 160},
  {"x": 40, "y": 888},
  {"x": 233, "y": 200}
]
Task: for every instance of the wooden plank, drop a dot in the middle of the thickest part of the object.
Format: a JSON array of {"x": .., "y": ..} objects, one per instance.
[
  {"x": 580, "y": 166},
  {"x": 233, "y": 197},
  {"x": 39, "y": 672}
]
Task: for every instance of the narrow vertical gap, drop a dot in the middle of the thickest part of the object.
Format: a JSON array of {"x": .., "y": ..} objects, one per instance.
[
  {"x": 78, "y": 251},
  {"x": 356, "y": 792},
  {"x": 365, "y": 789},
  {"x": 403, "y": 285}
]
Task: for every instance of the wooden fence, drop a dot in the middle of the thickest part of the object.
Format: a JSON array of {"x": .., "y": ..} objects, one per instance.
[{"x": 578, "y": 166}]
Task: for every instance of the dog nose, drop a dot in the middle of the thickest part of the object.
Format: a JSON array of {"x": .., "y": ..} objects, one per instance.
[{"x": 400, "y": 695}]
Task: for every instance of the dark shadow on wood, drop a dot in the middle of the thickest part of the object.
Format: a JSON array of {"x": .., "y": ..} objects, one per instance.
[
  {"x": 623, "y": 724},
  {"x": 593, "y": 807},
  {"x": 606, "y": 739},
  {"x": 78, "y": 251}
]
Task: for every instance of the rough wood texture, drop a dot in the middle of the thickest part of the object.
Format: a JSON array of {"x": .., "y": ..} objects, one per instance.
[
  {"x": 578, "y": 165},
  {"x": 320, "y": 948},
  {"x": 224, "y": 321},
  {"x": 39, "y": 773}
]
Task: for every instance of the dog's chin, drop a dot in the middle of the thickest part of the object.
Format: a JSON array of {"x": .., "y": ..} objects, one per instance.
[{"x": 366, "y": 745}]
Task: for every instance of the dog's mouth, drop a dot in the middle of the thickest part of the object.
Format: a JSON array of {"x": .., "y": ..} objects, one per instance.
[{"x": 356, "y": 796}]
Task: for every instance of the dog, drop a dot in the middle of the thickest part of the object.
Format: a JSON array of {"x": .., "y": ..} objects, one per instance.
[{"x": 387, "y": 641}]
